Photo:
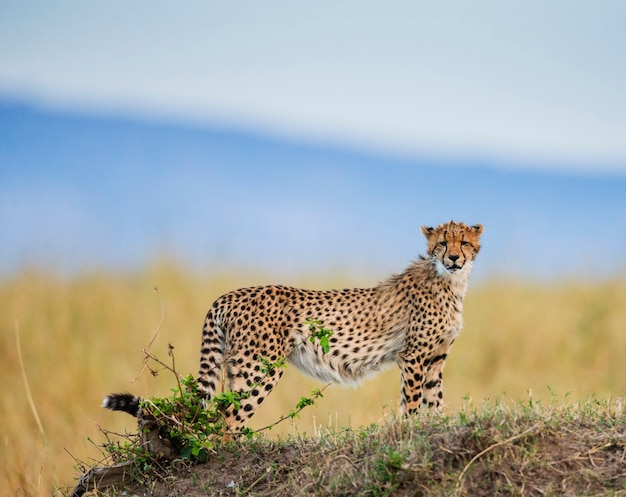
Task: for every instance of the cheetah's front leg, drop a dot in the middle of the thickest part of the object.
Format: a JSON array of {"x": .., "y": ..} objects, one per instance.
[
  {"x": 412, "y": 394},
  {"x": 433, "y": 381}
]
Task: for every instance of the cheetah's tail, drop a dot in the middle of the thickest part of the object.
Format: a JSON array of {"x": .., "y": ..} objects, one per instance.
[
  {"x": 126, "y": 402},
  {"x": 213, "y": 354}
]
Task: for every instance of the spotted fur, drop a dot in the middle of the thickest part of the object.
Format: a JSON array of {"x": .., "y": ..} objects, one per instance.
[{"x": 410, "y": 320}]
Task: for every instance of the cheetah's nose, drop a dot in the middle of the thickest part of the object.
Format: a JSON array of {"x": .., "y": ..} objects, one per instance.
[{"x": 454, "y": 258}]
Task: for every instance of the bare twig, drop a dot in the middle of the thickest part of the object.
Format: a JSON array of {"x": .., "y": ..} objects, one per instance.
[
  {"x": 488, "y": 449},
  {"x": 263, "y": 475},
  {"x": 156, "y": 408},
  {"x": 158, "y": 329},
  {"x": 291, "y": 415},
  {"x": 147, "y": 355},
  {"x": 170, "y": 352}
]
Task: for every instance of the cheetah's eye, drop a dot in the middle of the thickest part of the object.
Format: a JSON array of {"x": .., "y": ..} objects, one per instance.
[
  {"x": 442, "y": 243},
  {"x": 464, "y": 243}
]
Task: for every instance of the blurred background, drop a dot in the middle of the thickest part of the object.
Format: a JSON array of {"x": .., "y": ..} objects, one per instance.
[{"x": 209, "y": 145}]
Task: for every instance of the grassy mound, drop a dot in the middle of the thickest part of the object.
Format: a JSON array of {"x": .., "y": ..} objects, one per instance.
[{"x": 497, "y": 448}]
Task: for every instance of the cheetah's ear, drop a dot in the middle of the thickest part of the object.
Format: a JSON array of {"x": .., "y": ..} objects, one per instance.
[
  {"x": 427, "y": 231},
  {"x": 477, "y": 228}
]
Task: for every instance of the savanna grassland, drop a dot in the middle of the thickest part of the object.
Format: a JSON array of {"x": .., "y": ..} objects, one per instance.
[{"x": 82, "y": 337}]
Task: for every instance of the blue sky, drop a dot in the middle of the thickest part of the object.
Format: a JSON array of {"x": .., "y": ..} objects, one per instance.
[
  {"x": 79, "y": 191},
  {"x": 534, "y": 83},
  {"x": 297, "y": 136}
]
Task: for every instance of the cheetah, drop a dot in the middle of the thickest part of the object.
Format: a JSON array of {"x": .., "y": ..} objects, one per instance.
[{"x": 411, "y": 319}]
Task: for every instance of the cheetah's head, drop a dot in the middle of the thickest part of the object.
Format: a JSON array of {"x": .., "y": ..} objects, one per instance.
[{"x": 453, "y": 245}]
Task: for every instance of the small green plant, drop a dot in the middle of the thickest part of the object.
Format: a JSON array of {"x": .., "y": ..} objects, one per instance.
[
  {"x": 227, "y": 398},
  {"x": 268, "y": 367},
  {"x": 190, "y": 425},
  {"x": 392, "y": 464},
  {"x": 318, "y": 332},
  {"x": 306, "y": 402},
  {"x": 387, "y": 467}
]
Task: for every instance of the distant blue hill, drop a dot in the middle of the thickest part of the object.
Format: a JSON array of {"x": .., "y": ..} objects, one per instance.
[{"x": 79, "y": 190}]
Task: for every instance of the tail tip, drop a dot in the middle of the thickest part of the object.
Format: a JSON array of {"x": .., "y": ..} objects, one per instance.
[{"x": 122, "y": 402}]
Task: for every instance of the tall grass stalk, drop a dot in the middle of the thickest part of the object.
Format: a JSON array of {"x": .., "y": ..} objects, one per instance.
[{"x": 31, "y": 404}]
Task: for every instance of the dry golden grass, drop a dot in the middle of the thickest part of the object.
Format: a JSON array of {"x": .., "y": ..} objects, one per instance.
[{"x": 82, "y": 338}]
